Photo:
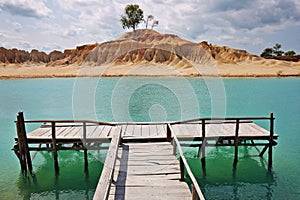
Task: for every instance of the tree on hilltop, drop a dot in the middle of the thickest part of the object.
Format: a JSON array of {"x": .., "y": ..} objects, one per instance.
[
  {"x": 290, "y": 53},
  {"x": 155, "y": 23},
  {"x": 277, "y": 53},
  {"x": 149, "y": 18},
  {"x": 277, "y": 49},
  {"x": 133, "y": 16},
  {"x": 267, "y": 52}
]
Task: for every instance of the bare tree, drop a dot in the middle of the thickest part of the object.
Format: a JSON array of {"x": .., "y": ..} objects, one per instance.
[
  {"x": 155, "y": 23},
  {"x": 149, "y": 18}
]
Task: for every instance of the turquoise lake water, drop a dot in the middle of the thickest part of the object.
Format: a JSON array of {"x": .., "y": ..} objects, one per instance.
[{"x": 154, "y": 99}]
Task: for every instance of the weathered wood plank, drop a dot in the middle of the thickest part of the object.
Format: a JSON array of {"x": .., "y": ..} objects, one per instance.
[
  {"x": 123, "y": 129},
  {"x": 90, "y": 131},
  {"x": 38, "y": 132},
  {"x": 145, "y": 130},
  {"x": 137, "y": 130},
  {"x": 129, "y": 131},
  {"x": 149, "y": 171},
  {"x": 161, "y": 130},
  {"x": 153, "y": 130},
  {"x": 106, "y": 132},
  {"x": 97, "y": 132},
  {"x": 103, "y": 185}
]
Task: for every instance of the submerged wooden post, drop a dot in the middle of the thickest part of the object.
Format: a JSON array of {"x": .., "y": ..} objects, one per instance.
[
  {"x": 86, "y": 164},
  {"x": 236, "y": 143},
  {"x": 270, "y": 159},
  {"x": 26, "y": 158},
  {"x": 54, "y": 149},
  {"x": 203, "y": 159},
  {"x": 22, "y": 157}
]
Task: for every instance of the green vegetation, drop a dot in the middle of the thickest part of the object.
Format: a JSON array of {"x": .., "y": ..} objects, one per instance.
[
  {"x": 290, "y": 53},
  {"x": 133, "y": 16},
  {"x": 276, "y": 53},
  {"x": 277, "y": 50},
  {"x": 154, "y": 21},
  {"x": 149, "y": 18}
]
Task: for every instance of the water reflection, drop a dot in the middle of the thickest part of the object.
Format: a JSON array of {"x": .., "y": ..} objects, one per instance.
[
  {"x": 73, "y": 182},
  {"x": 250, "y": 179}
]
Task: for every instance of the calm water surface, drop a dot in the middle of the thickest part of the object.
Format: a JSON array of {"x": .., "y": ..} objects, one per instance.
[{"x": 153, "y": 99}]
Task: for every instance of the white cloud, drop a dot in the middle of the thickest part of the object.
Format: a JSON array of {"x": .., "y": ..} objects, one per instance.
[
  {"x": 26, "y": 8},
  {"x": 246, "y": 24},
  {"x": 17, "y": 26}
]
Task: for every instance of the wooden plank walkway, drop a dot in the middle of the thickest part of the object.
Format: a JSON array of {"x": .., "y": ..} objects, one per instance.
[{"x": 148, "y": 171}]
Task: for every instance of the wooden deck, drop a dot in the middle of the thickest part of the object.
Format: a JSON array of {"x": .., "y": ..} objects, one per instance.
[
  {"x": 152, "y": 131},
  {"x": 141, "y": 161},
  {"x": 148, "y": 171}
]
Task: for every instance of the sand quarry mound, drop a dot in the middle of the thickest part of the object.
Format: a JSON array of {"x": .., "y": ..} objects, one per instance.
[{"x": 147, "y": 52}]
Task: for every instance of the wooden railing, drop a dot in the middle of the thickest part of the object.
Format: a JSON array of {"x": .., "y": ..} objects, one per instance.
[
  {"x": 196, "y": 191},
  {"x": 106, "y": 177},
  {"x": 237, "y": 121},
  {"x": 23, "y": 144}
]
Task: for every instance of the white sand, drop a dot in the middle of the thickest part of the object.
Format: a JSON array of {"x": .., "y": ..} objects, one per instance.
[{"x": 260, "y": 68}]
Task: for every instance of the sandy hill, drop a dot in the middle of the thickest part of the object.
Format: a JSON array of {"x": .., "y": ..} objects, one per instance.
[{"x": 147, "y": 52}]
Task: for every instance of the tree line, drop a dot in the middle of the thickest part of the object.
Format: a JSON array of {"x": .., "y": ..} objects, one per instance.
[{"x": 276, "y": 51}]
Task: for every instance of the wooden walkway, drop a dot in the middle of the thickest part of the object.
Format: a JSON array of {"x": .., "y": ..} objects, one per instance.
[
  {"x": 141, "y": 161},
  {"x": 147, "y": 171}
]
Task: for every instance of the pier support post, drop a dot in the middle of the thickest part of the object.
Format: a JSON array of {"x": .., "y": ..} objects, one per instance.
[
  {"x": 24, "y": 154},
  {"x": 270, "y": 153},
  {"x": 86, "y": 164},
  {"x": 21, "y": 153},
  {"x": 203, "y": 159},
  {"x": 181, "y": 164},
  {"x": 236, "y": 143},
  {"x": 169, "y": 134},
  {"x": 54, "y": 149},
  {"x": 174, "y": 147}
]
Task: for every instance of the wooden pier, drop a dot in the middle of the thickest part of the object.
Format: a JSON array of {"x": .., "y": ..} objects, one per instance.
[{"x": 141, "y": 160}]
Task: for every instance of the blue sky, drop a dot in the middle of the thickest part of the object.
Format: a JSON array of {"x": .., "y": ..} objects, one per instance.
[{"x": 63, "y": 24}]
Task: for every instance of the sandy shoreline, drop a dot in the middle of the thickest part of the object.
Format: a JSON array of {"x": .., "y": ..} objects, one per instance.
[{"x": 265, "y": 68}]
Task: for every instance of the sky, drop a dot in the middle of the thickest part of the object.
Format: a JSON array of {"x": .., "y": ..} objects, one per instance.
[{"x": 252, "y": 25}]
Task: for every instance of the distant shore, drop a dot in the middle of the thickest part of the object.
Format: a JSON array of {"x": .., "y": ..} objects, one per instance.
[{"x": 247, "y": 69}]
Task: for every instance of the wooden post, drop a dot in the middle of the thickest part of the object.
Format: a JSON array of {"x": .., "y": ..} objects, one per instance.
[
  {"x": 54, "y": 150},
  {"x": 169, "y": 134},
  {"x": 26, "y": 153},
  {"x": 174, "y": 148},
  {"x": 194, "y": 193},
  {"x": 86, "y": 164},
  {"x": 236, "y": 142},
  {"x": 203, "y": 159},
  {"x": 22, "y": 157},
  {"x": 182, "y": 178},
  {"x": 270, "y": 160}
]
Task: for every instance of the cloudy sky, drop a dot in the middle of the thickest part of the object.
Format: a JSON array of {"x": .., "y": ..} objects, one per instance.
[{"x": 60, "y": 24}]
